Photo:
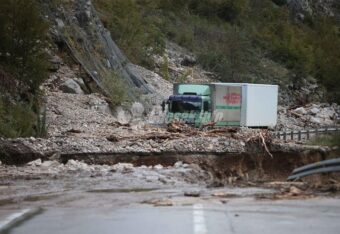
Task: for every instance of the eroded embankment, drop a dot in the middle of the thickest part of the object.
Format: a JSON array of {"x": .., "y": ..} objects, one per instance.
[{"x": 247, "y": 166}]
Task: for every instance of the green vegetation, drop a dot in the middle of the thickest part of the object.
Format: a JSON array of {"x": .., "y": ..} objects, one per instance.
[
  {"x": 228, "y": 36},
  {"x": 328, "y": 140},
  {"x": 23, "y": 66},
  {"x": 115, "y": 89},
  {"x": 135, "y": 31}
]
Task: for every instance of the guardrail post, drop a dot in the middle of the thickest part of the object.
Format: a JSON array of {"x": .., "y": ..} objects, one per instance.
[
  {"x": 299, "y": 135},
  {"x": 307, "y": 134},
  {"x": 285, "y": 136},
  {"x": 316, "y": 132},
  {"x": 292, "y": 135}
]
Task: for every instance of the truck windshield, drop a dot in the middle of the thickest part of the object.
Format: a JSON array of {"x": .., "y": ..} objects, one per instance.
[{"x": 185, "y": 106}]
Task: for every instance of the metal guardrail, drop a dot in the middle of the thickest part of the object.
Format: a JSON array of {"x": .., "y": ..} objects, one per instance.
[
  {"x": 327, "y": 166},
  {"x": 305, "y": 134}
]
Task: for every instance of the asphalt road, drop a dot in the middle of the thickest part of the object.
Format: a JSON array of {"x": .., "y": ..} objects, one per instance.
[{"x": 241, "y": 216}]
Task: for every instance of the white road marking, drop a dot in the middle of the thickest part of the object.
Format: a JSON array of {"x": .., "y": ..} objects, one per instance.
[
  {"x": 16, "y": 217},
  {"x": 199, "y": 219}
]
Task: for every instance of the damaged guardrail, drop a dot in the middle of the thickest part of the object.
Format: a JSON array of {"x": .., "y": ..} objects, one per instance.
[{"x": 327, "y": 166}]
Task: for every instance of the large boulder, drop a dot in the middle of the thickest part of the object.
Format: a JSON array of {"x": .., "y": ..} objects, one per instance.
[
  {"x": 71, "y": 86},
  {"x": 14, "y": 152}
]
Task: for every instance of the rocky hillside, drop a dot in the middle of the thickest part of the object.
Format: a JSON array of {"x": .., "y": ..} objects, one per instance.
[
  {"x": 119, "y": 59},
  {"x": 315, "y": 8}
]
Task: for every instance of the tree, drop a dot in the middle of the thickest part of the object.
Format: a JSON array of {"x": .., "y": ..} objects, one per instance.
[{"x": 22, "y": 37}]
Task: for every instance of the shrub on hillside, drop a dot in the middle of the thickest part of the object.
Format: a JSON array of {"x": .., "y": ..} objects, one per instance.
[
  {"x": 22, "y": 36},
  {"x": 23, "y": 66}
]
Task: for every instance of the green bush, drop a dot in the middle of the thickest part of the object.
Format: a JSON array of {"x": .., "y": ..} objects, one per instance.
[
  {"x": 23, "y": 63},
  {"x": 16, "y": 120},
  {"x": 22, "y": 36},
  {"x": 115, "y": 89}
]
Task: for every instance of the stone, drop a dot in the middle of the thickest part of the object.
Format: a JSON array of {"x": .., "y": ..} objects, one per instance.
[
  {"x": 71, "y": 86},
  {"x": 156, "y": 202},
  {"x": 192, "y": 193},
  {"x": 301, "y": 110},
  {"x": 123, "y": 116},
  {"x": 123, "y": 167},
  {"x": 76, "y": 165},
  {"x": 315, "y": 120},
  {"x": 158, "y": 167},
  {"x": 50, "y": 164},
  {"x": 60, "y": 23},
  {"x": 314, "y": 110},
  {"x": 294, "y": 191},
  {"x": 188, "y": 61},
  {"x": 35, "y": 163},
  {"x": 137, "y": 110},
  {"x": 178, "y": 164}
]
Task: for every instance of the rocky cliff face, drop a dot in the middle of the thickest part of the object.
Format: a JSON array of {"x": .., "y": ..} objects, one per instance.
[
  {"x": 77, "y": 28},
  {"x": 303, "y": 8}
]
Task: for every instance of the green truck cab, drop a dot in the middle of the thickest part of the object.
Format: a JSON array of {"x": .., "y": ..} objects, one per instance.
[{"x": 191, "y": 103}]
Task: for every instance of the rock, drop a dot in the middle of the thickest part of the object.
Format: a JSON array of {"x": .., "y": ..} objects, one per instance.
[
  {"x": 83, "y": 18},
  {"x": 151, "y": 178},
  {"x": 100, "y": 105},
  {"x": 0, "y": 163},
  {"x": 76, "y": 165},
  {"x": 315, "y": 120},
  {"x": 35, "y": 163},
  {"x": 301, "y": 110},
  {"x": 123, "y": 167},
  {"x": 137, "y": 110},
  {"x": 71, "y": 86},
  {"x": 60, "y": 23},
  {"x": 157, "y": 202},
  {"x": 223, "y": 195},
  {"x": 188, "y": 61},
  {"x": 294, "y": 191},
  {"x": 50, "y": 164},
  {"x": 82, "y": 84},
  {"x": 17, "y": 152},
  {"x": 123, "y": 116},
  {"x": 185, "y": 165},
  {"x": 55, "y": 63},
  {"x": 314, "y": 110},
  {"x": 178, "y": 164},
  {"x": 193, "y": 193},
  {"x": 158, "y": 167}
]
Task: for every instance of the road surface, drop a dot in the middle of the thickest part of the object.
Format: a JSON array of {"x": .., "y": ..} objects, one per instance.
[{"x": 240, "y": 215}]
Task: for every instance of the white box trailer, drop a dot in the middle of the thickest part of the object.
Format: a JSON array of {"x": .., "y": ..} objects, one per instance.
[{"x": 243, "y": 104}]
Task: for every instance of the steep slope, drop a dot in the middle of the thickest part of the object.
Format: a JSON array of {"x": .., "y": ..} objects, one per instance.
[{"x": 78, "y": 30}]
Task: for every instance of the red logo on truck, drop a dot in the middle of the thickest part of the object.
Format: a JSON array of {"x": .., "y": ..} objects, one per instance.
[{"x": 232, "y": 98}]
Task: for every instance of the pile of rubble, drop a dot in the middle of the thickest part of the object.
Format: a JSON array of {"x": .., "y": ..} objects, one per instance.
[
  {"x": 309, "y": 116},
  {"x": 177, "y": 173},
  {"x": 151, "y": 141}
]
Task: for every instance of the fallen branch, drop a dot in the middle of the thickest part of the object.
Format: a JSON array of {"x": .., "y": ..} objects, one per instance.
[{"x": 265, "y": 145}]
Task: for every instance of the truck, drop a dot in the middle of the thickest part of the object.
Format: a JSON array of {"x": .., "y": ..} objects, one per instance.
[{"x": 224, "y": 104}]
